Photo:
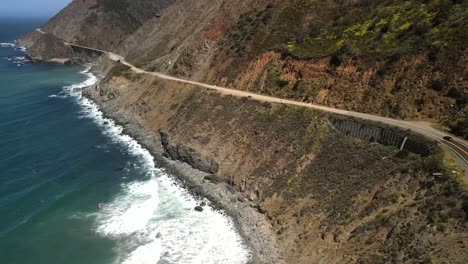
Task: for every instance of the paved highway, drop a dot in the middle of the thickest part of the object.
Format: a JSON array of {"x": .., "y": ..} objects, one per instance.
[{"x": 457, "y": 146}]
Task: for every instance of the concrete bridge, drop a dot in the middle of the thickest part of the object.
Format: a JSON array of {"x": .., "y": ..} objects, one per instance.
[
  {"x": 78, "y": 49},
  {"x": 457, "y": 146},
  {"x": 90, "y": 52}
]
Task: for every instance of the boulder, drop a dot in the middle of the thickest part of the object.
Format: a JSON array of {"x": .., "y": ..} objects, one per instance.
[
  {"x": 188, "y": 155},
  {"x": 259, "y": 208},
  {"x": 214, "y": 178}
]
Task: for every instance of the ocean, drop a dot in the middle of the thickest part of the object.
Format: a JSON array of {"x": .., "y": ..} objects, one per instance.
[{"x": 74, "y": 189}]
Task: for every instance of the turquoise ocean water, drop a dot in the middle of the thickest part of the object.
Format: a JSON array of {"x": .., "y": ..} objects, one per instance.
[{"x": 73, "y": 189}]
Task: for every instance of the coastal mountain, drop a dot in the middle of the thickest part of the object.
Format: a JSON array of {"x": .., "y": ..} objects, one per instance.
[
  {"x": 101, "y": 24},
  {"x": 326, "y": 194},
  {"x": 402, "y": 59}
]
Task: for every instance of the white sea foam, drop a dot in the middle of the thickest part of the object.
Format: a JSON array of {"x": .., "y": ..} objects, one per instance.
[
  {"x": 153, "y": 219},
  {"x": 7, "y": 45},
  {"x": 13, "y": 44},
  {"x": 130, "y": 211},
  {"x": 75, "y": 90},
  {"x": 18, "y": 60}
]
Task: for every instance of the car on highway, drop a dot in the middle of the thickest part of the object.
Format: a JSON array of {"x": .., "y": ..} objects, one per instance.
[{"x": 448, "y": 138}]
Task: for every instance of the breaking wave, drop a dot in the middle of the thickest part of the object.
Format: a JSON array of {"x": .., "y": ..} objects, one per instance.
[
  {"x": 152, "y": 219},
  {"x": 17, "y": 60},
  {"x": 7, "y": 45},
  {"x": 13, "y": 45}
]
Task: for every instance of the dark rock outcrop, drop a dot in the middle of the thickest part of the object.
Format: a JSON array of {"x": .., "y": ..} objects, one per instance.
[
  {"x": 214, "y": 179},
  {"x": 49, "y": 47},
  {"x": 187, "y": 155}
]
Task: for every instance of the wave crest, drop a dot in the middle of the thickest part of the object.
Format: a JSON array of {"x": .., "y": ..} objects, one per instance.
[
  {"x": 153, "y": 219},
  {"x": 7, "y": 45}
]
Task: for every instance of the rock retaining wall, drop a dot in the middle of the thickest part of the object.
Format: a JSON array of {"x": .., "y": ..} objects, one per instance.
[{"x": 383, "y": 134}]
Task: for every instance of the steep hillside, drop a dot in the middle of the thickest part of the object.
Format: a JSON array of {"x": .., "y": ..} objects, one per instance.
[
  {"x": 394, "y": 58},
  {"x": 102, "y": 24},
  {"x": 48, "y": 47},
  {"x": 403, "y": 59},
  {"x": 329, "y": 198}
]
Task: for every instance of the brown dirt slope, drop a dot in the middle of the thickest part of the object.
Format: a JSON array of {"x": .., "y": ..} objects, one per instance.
[
  {"x": 330, "y": 198},
  {"x": 49, "y": 47},
  {"x": 393, "y": 58}
]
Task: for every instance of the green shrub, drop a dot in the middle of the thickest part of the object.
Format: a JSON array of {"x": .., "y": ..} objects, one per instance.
[
  {"x": 402, "y": 154},
  {"x": 282, "y": 83},
  {"x": 335, "y": 61},
  {"x": 437, "y": 85},
  {"x": 460, "y": 96},
  {"x": 118, "y": 70},
  {"x": 460, "y": 127},
  {"x": 433, "y": 164},
  {"x": 454, "y": 93}
]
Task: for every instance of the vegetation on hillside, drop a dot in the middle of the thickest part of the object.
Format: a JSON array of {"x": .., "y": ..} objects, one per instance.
[
  {"x": 120, "y": 13},
  {"x": 460, "y": 126},
  {"x": 311, "y": 28},
  {"x": 412, "y": 53},
  {"x": 327, "y": 195},
  {"x": 122, "y": 70},
  {"x": 389, "y": 28}
]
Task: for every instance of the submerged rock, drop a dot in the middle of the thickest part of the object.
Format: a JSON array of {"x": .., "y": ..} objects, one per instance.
[{"x": 198, "y": 208}]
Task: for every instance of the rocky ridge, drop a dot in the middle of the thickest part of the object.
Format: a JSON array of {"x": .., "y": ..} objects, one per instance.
[
  {"x": 305, "y": 192},
  {"x": 324, "y": 194}
]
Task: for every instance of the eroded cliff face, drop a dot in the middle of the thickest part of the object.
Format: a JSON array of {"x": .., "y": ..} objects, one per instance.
[
  {"x": 101, "y": 24},
  {"x": 48, "y": 47},
  {"x": 403, "y": 60},
  {"x": 405, "y": 88},
  {"x": 328, "y": 197},
  {"x": 394, "y": 58}
]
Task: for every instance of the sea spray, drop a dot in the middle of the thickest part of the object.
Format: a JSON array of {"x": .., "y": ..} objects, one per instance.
[{"x": 153, "y": 218}]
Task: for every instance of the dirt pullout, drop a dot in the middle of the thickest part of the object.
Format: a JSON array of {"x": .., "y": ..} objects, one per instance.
[{"x": 320, "y": 196}]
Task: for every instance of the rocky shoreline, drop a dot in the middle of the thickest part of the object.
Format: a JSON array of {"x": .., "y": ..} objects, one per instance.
[{"x": 249, "y": 218}]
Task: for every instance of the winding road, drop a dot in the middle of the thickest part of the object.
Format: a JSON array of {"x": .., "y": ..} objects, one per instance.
[{"x": 457, "y": 146}]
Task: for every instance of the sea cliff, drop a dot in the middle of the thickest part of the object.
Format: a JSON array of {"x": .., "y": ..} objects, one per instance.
[
  {"x": 299, "y": 189},
  {"x": 303, "y": 186}
]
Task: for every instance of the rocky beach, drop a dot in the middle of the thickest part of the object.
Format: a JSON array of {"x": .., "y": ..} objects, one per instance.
[
  {"x": 328, "y": 132},
  {"x": 251, "y": 221}
]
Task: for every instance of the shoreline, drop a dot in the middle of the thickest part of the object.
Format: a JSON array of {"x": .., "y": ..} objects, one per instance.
[{"x": 253, "y": 227}]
